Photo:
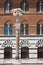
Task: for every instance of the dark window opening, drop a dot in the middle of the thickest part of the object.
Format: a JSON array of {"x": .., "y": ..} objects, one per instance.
[
  {"x": 40, "y": 6},
  {"x": 10, "y": 29},
  {"x": 22, "y": 29},
  {"x": 40, "y": 52},
  {"x": 38, "y": 28},
  {"x": 24, "y": 52},
  {"x": 26, "y": 29},
  {"x": 8, "y": 52},
  {"x": 24, "y": 5},
  {"x": 42, "y": 28}
]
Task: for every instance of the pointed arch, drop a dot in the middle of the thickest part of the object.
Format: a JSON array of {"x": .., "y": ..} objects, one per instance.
[
  {"x": 8, "y": 22},
  {"x": 40, "y": 21},
  {"x": 24, "y": 22}
]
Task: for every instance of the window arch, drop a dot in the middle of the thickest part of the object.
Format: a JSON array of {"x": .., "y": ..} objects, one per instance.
[
  {"x": 40, "y": 27},
  {"x": 40, "y": 6}
]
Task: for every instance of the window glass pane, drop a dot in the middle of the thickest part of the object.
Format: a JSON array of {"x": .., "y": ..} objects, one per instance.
[
  {"x": 42, "y": 28},
  {"x": 10, "y": 29},
  {"x": 38, "y": 28},
  {"x": 42, "y": 6},
  {"x": 22, "y": 29},
  {"x": 6, "y": 30},
  {"x": 26, "y": 29}
]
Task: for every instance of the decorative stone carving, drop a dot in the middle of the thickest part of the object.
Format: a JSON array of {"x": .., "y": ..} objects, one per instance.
[
  {"x": 24, "y": 43},
  {"x": 15, "y": 11},
  {"x": 8, "y": 43},
  {"x": 39, "y": 43}
]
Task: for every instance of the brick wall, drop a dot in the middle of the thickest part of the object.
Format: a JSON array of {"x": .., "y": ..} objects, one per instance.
[
  {"x": 31, "y": 18},
  {"x": 16, "y": 4}
]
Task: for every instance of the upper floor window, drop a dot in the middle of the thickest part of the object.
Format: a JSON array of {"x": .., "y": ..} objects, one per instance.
[
  {"x": 8, "y": 6},
  {"x": 8, "y": 29},
  {"x": 40, "y": 29},
  {"x": 24, "y": 29},
  {"x": 24, "y": 5},
  {"x": 40, "y": 6}
]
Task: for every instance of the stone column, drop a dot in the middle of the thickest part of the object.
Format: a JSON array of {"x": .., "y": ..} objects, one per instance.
[
  {"x": 17, "y": 44},
  {"x": 17, "y": 27}
]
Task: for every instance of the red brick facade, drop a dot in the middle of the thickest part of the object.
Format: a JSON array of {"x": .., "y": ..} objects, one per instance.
[{"x": 32, "y": 18}]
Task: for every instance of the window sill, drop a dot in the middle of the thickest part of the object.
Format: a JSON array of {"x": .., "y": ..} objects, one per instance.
[
  {"x": 32, "y": 13},
  {"x": 6, "y": 14},
  {"x": 34, "y": 35}
]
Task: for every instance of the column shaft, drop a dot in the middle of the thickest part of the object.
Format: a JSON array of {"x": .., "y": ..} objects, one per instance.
[{"x": 17, "y": 44}]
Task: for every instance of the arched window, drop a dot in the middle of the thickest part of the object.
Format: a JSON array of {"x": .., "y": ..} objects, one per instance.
[
  {"x": 24, "y": 5},
  {"x": 24, "y": 29},
  {"x": 8, "y": 29},
  {"x": 8, "y": 6},
  {"x": 40, "y": 29},
  {"x": 40, "y": 6}
]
